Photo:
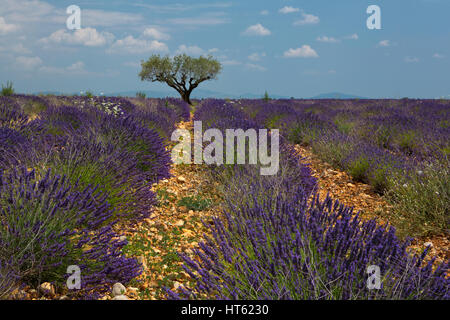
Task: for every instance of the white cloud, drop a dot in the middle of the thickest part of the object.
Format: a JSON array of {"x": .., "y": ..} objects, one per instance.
[
  {"x": 28, "y": 63},
  {"x": 264, "y": 12},
  {"x": 6, "y": 28},
  {"x": 25, "y": 11},
  {"x": 411, "y": 59},
  {"x": 101, "y": 18},
  {"x": 190, "y": 50},
  {"x": 222, "y": 57},
  {"x": 179, "y": 7},
  {"x": 205, "y": 20},
  {"x": 327, "y": 39},
  {"x": 231, "y": 63},
  {"x": 89, "y": 37},
  {"x": 257, "y": 30},
  {"x": 438, "y": 56},
  {"x": 288, "y": 9},
  {"x": 137, "y": 46},
  {"x": 77, "y": 68},
  {"x": 352, "y": 37},
  {"x": 384, "y": 43},
  {"x": 304, "y": 51},
  {"x": 16, "y": 48},
  {"x": 256, "y": 67},
  {"x": 156, "y": 34},
  {"x": 132, "y": 64},
  {"x": 307, "y": 19},
  {"x": 194, "y": 50},
  {"x": 256, "y": 56}
]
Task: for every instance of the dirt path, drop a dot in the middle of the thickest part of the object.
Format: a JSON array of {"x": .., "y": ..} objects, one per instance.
[{"x": 185, "y": 200}]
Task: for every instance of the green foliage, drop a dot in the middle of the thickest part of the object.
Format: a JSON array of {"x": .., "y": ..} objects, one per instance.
[
  {"x": 379, "y": 179},
  {"x": 446, "y": 151},
  {"x": 89, "y": 94},
  {"x": 196, "y": 203},
  {"x": 334, "y": 153},
  {"x": 422, "y": 202},
  {"x": 274, "y": 121},
  {"x": 141, "y": 95},
  {"x": 382, "y": 136},
  {"x": 444, "y": 123},
  {"x": 407, "y": 141},
  {"x": 266, "y": 96},
  {"x": 302, "y": 133},
  {"x": 8, "y": 89},
  {"x": 168, "y": 264},
  {"x": 344, "y": 125},
  {"x": 32, "y": 108},
  {"x": 164, "y": 197},
  {"x": 182, "y": 72},
  {"x": 359, "y": 168}
]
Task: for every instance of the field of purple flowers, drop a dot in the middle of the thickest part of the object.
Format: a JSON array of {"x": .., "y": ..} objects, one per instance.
[
  {"x": 74, "y": 168},
  {"x": 71, "y": 168},
  {"x": 274, "y": 242},
  {"x": 400, "y": 147}
]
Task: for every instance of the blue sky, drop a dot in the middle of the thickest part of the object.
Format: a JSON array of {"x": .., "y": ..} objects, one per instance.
[{"x": 289, "y": 48}]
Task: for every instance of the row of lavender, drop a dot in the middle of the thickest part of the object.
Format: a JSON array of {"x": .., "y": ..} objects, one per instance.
[
  {"x": 71, "y": 168},
  {"x": 273, "y": 243},
  {"x": 400, "y": 147},
  {"x": 417, "y": 129}
]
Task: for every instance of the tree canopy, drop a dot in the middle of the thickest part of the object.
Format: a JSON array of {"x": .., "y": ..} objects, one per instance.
[{"x": 182, "y": 72}]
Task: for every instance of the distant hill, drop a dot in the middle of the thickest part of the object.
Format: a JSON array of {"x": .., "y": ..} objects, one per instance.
[
  {"x": 56, "y": 93},
  {"x": 197, "y": 94},
  {"x": 202, "y": 94},
  {"x": 336, "y": 95}
]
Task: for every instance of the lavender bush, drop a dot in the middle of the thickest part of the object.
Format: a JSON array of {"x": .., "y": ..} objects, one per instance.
[
  {"x": 30, "y": 105},
  {"x": 12, "y": 143},
  {"x": 11, "y": 115},
  {"x": 423, "y": 200},
  {"x": 292, "y": 250},
  {"x": 46, "y": 226},
  {"x": 123, "y": 133},
  {"x": 277, "y": 243},
  {"x": 181, "y": 107},
  {"x": 94, "y": 160},
  {"x": 375, "y": 141},
  {"x": 126, "y": 134},
  {"x": 85, "y": 163}
]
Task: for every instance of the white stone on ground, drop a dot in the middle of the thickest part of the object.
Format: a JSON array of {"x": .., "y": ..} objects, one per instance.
[
  {"x": 118, "y": 289},
  {"x": 428, "y": 244}
]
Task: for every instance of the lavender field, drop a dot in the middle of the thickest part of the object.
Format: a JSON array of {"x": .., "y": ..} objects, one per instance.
[
  {"x": 224, "y": 159},
  {"x": 76, "y": 170}
]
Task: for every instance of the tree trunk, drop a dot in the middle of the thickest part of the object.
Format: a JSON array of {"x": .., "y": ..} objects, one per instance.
[{"x": 186, "y": 96}]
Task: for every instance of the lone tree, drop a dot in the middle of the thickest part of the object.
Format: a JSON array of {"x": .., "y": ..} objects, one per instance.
[{"x": 182, "y": 72}]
